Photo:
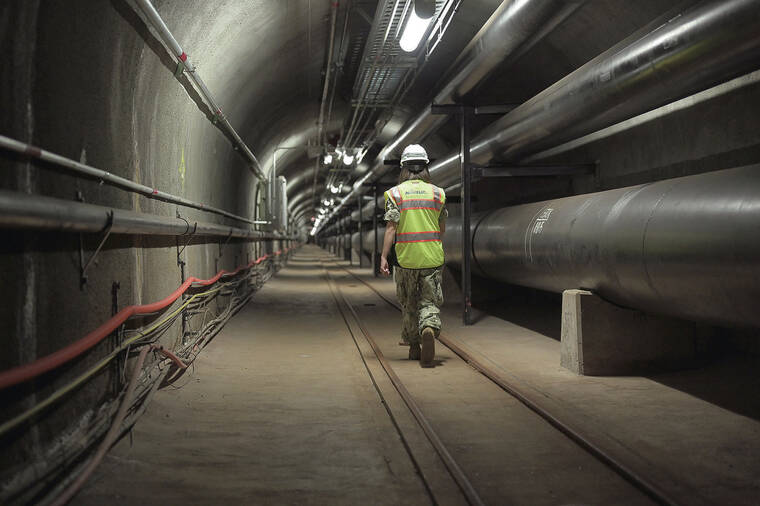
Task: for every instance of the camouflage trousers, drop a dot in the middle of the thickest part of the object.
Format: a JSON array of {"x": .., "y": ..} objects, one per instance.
[{"x": 420, "y": 294}]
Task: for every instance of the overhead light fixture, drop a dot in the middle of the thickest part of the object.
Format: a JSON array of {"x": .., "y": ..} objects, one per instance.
[
  {"x": 413, "y": 31},
  {"x": 327, "y": 159},
  {"x": 334, "y": 189},
  {"x": 348, "y": 159}
]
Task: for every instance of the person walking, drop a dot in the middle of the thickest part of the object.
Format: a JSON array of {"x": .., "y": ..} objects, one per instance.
[{"x": 415, "y": 215}]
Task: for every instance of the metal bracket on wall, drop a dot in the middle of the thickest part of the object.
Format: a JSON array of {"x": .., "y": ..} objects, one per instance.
[
  {"x": 221, "y": 250},
  {"x": 84, "y": 266},
  {"x": 223, "y": 244},
  {"x": 180, "y": 262},
  {"x": 117, "y": 336},
  {"x": 180, "y": 69}
]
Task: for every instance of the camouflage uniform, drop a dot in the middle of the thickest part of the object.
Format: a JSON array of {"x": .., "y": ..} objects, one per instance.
[{"x": 418, "y": 290}]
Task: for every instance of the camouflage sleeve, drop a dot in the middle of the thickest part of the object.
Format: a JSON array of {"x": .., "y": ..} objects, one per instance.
[
  {"x": 392, "y": 212},
  {"x": 444, "y": 214},
  {"x": 444, "y": 211}
]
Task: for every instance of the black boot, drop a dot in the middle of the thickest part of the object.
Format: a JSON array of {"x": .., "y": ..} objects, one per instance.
[{"x": 428, "y": 347}]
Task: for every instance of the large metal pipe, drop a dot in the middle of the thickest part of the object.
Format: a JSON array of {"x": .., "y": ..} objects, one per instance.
[
  {"x": 512, "y": 28},
  {"x": 687, "y": 247},
  {"x": 24, "y": 211},
  {"x": 158, "y": 24},
  {"x": 707, "y": 44}
]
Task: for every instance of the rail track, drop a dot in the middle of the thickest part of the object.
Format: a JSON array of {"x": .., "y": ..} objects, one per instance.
[{"x": 645, "y": 485}]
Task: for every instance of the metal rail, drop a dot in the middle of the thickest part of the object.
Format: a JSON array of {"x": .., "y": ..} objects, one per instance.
[
  {"x": 396, "y": 425},
  {"x": 456, "y": 472},
  {"x": 531, "y": 402}
]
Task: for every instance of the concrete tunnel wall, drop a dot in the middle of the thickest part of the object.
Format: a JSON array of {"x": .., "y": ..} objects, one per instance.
[{"x": 87, "y": 80}]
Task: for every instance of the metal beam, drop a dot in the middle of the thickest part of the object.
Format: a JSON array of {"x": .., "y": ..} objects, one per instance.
[{"x": 532, "y": 170}]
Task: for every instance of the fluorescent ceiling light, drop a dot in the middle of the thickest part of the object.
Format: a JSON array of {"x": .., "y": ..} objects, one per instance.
[
  {"x": 413, "y": 32},
  {"x": 328, "y": 159},
  {"x": 348, "y": 159},
  {"x": 334, "y": 189}
]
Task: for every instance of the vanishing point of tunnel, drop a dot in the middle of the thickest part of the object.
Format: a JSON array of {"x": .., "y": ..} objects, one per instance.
[{"x": 447, "y": 252}]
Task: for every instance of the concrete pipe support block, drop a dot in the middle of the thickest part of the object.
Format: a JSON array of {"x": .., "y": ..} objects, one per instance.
[{"x": 602, "y": 339}]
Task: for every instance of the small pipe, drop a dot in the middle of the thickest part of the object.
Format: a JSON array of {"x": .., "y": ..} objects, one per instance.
[
  {"x": 106, "y": 177},
  {"x": 20, "y": 210},
  {"x": 166, "y": 35}
]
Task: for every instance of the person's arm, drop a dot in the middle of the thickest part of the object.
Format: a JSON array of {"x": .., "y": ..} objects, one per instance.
[
  {"x": 388, "y": 238},
  {"x": 442, "y": 219}
]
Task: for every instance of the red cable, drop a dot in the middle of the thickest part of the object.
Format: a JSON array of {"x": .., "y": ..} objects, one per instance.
[
  {"x": 170, "y": 355},
  {"x": 47, "y": 363}
]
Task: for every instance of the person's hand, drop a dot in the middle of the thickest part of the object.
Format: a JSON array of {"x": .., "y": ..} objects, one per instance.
[{"x": 384, "y": 267}]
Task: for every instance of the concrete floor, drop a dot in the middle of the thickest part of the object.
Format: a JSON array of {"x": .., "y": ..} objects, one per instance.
[{"x": 280, "y": 409}]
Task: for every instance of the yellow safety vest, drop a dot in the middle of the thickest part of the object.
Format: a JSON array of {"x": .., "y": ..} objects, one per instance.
[{"x": 418, "y": 235}]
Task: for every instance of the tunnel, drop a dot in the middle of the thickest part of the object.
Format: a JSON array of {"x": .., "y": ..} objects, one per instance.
[{"x": 197, "y": 210}]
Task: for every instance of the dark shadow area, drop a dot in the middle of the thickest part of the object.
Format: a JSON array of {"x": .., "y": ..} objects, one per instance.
[
  {"x": 731, "y": 381},
  {"x": 725, "y": 372},
  {"x": 537, "y": 310}
]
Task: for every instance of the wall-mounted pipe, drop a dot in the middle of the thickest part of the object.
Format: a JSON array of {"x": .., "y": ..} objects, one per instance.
[
  {"x": 707, "y": 44},
  {"x": 107, "y": 177},
  {"x": 511, "y": 29},
  {"x": 166, "y": 36},
  {"x": 687, "y": 247},
  {"x": 23, "y": 211}
]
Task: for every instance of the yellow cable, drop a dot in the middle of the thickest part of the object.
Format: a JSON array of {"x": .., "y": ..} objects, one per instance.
[{"x": 13, "y": 422}]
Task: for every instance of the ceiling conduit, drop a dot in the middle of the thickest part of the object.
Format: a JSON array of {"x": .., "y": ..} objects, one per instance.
[
  {"x": 710, "y": 43},
  {"x": 512, "y": 28}
]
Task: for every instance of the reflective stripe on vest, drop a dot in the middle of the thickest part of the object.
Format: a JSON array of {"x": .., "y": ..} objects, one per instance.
[
  {"x": 396, "y": 194},
  {"x": 406, "y": 205},
  {"x": 418, "y": 236}
]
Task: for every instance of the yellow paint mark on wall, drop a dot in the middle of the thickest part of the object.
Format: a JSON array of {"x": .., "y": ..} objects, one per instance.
[{"x": 182, "y": 169}]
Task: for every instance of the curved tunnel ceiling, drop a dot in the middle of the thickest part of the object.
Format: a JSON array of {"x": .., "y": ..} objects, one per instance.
[{"x": 264, "y": 61}]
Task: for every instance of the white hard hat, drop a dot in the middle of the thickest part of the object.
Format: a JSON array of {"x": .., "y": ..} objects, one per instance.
[{"x": 414, "y": 153}]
